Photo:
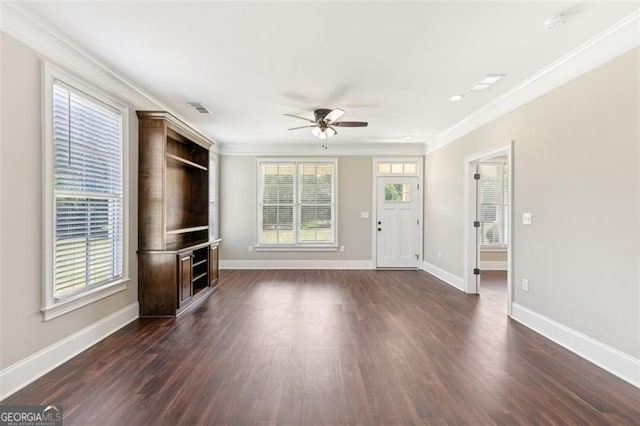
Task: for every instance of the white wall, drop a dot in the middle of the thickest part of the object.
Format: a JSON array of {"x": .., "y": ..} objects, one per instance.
[
  {"x": 576, "y": 168},
  {"x": 238, "y": 211},
  {"x": 22, "y": 330}
]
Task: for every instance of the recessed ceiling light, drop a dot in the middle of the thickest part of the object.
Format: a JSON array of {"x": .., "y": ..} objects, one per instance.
[
  {"x": 407, "y": 137},
  {"x": 491, "y": 78},
  {"x": 456, "y": 98},
  {"x": 480, "y": 87}
]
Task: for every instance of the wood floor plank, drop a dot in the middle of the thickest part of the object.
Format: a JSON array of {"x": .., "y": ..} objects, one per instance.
[{"x": 335, "y": 347}]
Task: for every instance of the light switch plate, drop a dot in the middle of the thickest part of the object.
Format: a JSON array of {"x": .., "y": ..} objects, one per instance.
[
  {"x": 526, "y": 218},
  {"x": 364, "y": 215}
]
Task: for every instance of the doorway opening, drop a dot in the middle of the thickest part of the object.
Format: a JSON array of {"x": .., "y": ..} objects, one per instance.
[
  {"x": 488, "y": 226},
  {"x": 397, "y": 212}
]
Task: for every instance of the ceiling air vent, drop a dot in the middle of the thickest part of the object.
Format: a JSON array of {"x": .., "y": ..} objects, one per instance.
[{"x": 199, "y": 107}]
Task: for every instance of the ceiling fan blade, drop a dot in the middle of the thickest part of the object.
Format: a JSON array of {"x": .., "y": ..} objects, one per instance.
[
  {"x": 302, "y": 127},
  {"x": 334, "y": 115},
  {"x": 301, "y": 118},
  {"x": 350, "y": 124}
]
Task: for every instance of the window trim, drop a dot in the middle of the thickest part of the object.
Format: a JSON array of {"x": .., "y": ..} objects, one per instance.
[
  {"x": 313, "y": 246},
  {"x": 52, "y": 307}
]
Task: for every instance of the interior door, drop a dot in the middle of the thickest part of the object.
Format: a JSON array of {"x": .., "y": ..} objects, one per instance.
[{"x": 397, "y": 222}]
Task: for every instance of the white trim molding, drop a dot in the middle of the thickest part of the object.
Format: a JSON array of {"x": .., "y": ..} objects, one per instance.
[
  {"x": 20, "y": 374},
  {"x": 296, "y": 264},
  {"x": 604, "y": 356},
  {"x": 612, "y": 42},
  {"x": 449, "y": 278},
  {"x": 21, "y": 24},
  {"x": 314, "y": 148},
  {"x": 493, "y": 265}
]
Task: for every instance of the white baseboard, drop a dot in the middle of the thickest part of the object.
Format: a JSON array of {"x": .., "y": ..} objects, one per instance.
[
  {"x": 497, "y": 265},
  {"x": 604, "y": 356},
  {"x": 296, "y": 264},
  {"x": 20, "y": 374},
  {"x": 447, "y": 277}
]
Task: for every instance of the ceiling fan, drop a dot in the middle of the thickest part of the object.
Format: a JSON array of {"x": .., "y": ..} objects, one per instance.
[{"x": 325, "y": 121}]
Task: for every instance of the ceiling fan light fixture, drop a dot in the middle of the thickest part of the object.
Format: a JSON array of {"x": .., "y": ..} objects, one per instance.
[{"x": 323, "y": 133}]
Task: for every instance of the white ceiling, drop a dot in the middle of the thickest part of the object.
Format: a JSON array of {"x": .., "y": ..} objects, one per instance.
[{"x": 394, "y": 65}]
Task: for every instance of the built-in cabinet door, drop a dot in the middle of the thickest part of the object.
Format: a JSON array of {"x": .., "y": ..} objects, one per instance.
[
  {"x": 185, "y": 277},
  {"x": 213, "y": 265}
]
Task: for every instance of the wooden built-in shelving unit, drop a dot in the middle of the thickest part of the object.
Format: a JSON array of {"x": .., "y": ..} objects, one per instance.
[{"x": 178, "y": 263}]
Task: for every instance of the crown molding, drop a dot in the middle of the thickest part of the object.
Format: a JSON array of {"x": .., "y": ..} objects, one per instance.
[
  {"x": 612, "y": 42},
  {"x": 18, "y": 22},
  {"x": 335, "y": 148}
]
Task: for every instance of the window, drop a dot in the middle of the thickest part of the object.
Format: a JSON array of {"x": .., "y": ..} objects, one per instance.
[
  {"x": 85, "y": 197},
  {"x": 400, "y": 192},
  {"x": 397, "y": 168},
  {"x": 213, "y": 200},
  {"x": 493, "y": 193},
  {"x": 296, "y": 203}
]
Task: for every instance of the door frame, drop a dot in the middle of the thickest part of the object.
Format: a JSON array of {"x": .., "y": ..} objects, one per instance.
[
  {"x": 470, "y": 250},
  {"x": 419, "y": 160}
]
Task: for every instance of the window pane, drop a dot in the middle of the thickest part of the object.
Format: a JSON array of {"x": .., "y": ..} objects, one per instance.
[
  {"x": 397, "y": 192},
  {"x": 396, "y": 168},
  {"x": 277, "y": 225},
  {"x": 384, "y": 168},
  {"x": 88, "y": 239},
  {"x": 316, "y": 224},
  {"x": 410, "y": 168},
  {"x": 277, "y": 187}
]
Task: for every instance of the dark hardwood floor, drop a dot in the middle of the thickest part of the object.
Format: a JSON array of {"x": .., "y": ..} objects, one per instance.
[{"x": 334, "y": 347}]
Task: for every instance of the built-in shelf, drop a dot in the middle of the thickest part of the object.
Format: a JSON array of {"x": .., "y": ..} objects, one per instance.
[
  {"x": 200, "y": 263},
  {"x": 185, "y": 230},
  {"x": 177, "y": 263},
  {"x": 199, "y": 276},
  {"x": 187, "y": 162}
]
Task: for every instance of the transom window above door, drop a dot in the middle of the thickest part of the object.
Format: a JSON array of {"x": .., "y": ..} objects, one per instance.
[{"x": 397, "y": 168}]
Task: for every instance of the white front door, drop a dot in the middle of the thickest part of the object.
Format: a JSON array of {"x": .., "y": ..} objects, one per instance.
[{"x": 397, "y": 225}]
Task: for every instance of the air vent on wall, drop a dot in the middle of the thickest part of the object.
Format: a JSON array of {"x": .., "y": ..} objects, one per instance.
[{"x": 199, "y": 107}]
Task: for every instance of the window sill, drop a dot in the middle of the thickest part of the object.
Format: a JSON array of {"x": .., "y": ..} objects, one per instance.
[
  {"x": 296, "y": 248},
  {"x": 56, "y": 309},
  {"x": 494, "y": 249}
]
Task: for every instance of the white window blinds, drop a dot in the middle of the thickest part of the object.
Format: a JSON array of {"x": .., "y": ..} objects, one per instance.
[
  {"x": 276, "y": 203},
  {"x": 315, "y": 203},
  {"x": 493, "y": 207},
  {"x": 296, "y": 203},
  {"x": 88, "y": 188}
]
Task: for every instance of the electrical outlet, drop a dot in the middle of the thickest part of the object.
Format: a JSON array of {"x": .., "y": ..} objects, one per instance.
[
  {"x": 439, "y": 255},
  {"x": 526, "y": 218},
  {"x": 525, "y": 284},
  {"x": 364, "y": 215},
  {"x": 342, "y": 249},
  {"x": 250, "y": 248}
]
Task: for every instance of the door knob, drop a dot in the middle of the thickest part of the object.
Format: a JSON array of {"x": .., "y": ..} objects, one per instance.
[
  {"x": 379, "y": 222},
  {"x": 379, "y": 229}
]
